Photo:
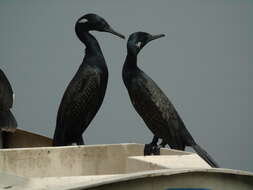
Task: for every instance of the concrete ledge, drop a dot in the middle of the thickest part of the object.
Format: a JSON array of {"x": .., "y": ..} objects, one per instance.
[
  {"x": 111, "y": 167},
  {"x": 71, "y": 160},
  {"x": 144, "y": 163},
  {"x": 213, "y": 179},
  {"x": 79, "y": 160},
  {"x": 138, "y": 164},
  {"x": 9, "y": 181}
]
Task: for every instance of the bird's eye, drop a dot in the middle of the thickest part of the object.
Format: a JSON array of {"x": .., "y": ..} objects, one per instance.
[{"x": 103, "y": 24}]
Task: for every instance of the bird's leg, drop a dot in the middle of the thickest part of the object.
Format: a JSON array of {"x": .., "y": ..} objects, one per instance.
[
  {"x": 154, "y": 141},
  {"x": 149, "y": 148},
  {"x": 1, "y": 139},
  {"x": 155, "y": 148},
  {"x": 162, "y": 144}
]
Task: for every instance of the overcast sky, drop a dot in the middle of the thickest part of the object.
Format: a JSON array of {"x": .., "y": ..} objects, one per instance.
[{"x": 204, "y": 65}]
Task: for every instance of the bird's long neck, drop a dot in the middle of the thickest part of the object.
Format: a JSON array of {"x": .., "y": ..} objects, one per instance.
[
  {"x": 130, "y": 62},
  {"x": 130, "y": 69},
  {"x": 92, "y": 45}
]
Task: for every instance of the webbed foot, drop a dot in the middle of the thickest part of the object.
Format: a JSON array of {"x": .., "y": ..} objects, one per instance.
[
  {"x": 156, "y": 150},
  {"x": 150, "y": 149}
]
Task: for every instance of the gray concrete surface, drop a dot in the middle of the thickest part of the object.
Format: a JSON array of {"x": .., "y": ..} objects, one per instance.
[
  {"x": 72, "y": 160},
  {"x": 118, "y": 166}
]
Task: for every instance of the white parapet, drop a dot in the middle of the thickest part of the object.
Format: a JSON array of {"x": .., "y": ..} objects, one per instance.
[
  {"x": 74, "y": 160},
  {"x": 111, "y": 167},
  {"x": 143, "y": 163}
]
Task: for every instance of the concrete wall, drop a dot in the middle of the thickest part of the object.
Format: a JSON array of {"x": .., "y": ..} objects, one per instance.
[
  {"x": 55, "y": 167},
  {"x": 72, "y": 160},
  {"x": 144, "y": 163},
  {"x": 206, "y": 180}
]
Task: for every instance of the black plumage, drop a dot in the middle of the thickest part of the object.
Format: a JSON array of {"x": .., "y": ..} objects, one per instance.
[
  {"x": 7, "y": 120},
  {"x": 152, "y": 104},
  {"x": 85, "y": 92}
]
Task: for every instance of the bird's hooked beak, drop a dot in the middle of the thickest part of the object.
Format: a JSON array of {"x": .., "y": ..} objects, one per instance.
[
  {"x": 154, "y": 37},
  {"x": 112, "y": 31},
  {"x": 151, "y": 38}
]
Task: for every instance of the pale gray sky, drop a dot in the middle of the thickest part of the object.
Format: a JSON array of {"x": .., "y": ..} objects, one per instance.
[{"x": 204, "y": 65}]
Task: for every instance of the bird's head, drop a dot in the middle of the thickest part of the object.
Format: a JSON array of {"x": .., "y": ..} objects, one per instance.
[
  {"x": 138, "y": 40},
  {"x": 94, "y": 22}
]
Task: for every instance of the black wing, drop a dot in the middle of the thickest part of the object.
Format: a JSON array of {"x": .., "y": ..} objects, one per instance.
[
  {"x": 80, "y": 103},
  {"x": 156, "y": 110},
  {"x": 6, "y": 92}
]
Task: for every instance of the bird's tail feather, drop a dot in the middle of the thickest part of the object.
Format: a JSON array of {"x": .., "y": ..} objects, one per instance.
[
  {"x": 203, "y": 154},
  {"x": 7, "y": 121}
]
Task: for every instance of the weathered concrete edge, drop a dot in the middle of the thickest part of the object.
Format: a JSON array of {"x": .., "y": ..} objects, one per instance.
[
  {"x": 9, "y": 181},
  {"x": 74, "y": 146},
  {"x": 154, "y": 173},
  {"x": 92, "y": 145},
  {"x": 201, "y": 163}
]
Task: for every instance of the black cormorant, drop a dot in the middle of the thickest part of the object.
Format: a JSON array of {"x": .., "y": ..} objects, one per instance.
[
  {"x": 85, "y": 92},
  {"x": 8, "y": 122},
  {"x": 153, "y": 105}
]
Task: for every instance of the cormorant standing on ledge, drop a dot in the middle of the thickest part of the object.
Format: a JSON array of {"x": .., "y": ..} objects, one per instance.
[
  {"x": 153, "y": 105},
  {"x": 85, "y": 92},
  {"x": 8, "y": 122}
]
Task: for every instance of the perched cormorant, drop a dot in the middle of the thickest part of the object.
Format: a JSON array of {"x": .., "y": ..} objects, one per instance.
[
  {"x": 153, "y": 105},
  {"x": 85, "y": 92},
  {"x": 8, "y": 122}
]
